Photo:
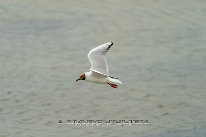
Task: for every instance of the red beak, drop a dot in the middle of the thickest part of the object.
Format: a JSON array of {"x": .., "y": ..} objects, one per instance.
[{"x": 77, "y": 79}]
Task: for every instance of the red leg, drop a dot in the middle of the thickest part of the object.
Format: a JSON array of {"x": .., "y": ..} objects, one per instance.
[{"x": 113, "y": 85}]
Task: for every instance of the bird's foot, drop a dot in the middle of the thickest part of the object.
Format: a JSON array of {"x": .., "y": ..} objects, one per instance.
[{"x": 113, "y": 85}]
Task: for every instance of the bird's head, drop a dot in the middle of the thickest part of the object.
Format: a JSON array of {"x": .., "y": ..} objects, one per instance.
[{"x": 82, "y": 77}]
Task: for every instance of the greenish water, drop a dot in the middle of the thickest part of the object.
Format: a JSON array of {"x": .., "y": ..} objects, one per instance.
[{"x": 159, "y": 54}]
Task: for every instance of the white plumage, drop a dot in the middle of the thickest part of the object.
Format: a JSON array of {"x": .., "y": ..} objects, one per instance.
[
  {"x": 99, "y": 72},
  {"x": 97, "y": 58}
]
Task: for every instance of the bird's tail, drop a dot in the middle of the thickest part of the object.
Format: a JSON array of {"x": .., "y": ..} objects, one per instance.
[{"x": 112, "y": 80}]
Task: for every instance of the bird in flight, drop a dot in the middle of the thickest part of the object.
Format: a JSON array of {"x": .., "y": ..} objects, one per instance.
[{"x": 99, "y": 72}]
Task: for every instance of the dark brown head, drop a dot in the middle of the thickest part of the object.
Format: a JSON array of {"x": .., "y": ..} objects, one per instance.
[{"x": 82, "y": 77}]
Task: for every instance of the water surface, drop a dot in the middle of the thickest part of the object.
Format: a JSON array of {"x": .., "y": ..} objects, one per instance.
[{"x": 159, "y": 53}]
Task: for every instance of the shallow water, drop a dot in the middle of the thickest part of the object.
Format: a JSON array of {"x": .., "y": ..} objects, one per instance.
[{"x": 159, "y": 53}]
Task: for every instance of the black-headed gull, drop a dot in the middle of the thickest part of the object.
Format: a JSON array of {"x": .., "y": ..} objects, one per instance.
[{"x": 99, "y": 72}]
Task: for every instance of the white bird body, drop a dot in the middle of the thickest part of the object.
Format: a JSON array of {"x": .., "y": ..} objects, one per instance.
[
  {"x": 99, "y": 72},
  {"x": 96, "y": 78},
  {"x": 100, "y": 79}
]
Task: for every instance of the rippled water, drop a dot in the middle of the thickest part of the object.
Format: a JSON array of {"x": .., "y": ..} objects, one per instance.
[{"x": 159, "y": 53}]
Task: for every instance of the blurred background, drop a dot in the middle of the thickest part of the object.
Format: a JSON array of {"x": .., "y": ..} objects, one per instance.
[{"x": 159, "y": 54}]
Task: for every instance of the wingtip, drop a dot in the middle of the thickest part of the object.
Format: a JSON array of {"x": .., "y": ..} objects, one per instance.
[{"x": 111, "y": 43}]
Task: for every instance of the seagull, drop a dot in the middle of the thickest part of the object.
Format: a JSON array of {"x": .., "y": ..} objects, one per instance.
[{"x": 99, "y": 72}]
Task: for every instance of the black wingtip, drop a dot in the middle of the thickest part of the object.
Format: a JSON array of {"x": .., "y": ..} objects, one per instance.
[
  {"x": 110, "y": 46},
  {"x": 113, "y": 77}
]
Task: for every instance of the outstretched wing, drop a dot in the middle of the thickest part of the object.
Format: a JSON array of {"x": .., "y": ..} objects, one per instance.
[{"x": 97, "y": 58}]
